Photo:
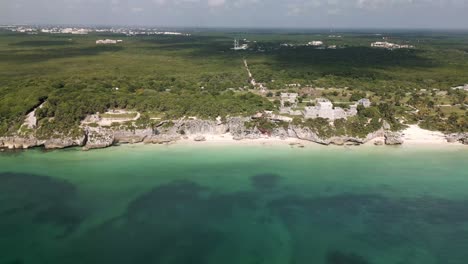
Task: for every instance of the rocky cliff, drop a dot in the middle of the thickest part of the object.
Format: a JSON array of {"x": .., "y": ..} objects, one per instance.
[
  {"x": 98, "y": 137},
  {"x": 25, "y": 142},
  {"x": 393, "y": 138},
  {"x": 458, "y": 137},
  {"x": 166, "y": 132}
]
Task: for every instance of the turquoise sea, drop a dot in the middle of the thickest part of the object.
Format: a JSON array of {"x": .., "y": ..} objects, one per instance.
[{"x": 235, "y": 204}]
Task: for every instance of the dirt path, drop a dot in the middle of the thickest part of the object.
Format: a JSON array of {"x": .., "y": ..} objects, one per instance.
[
  {"x": 247, "y": 68},
  {"x": 252, "y": 79},
  {"x": 31, "y": 120}
]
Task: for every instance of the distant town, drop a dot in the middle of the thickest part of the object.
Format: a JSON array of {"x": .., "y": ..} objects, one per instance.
[
  {"x": 128, "y": 31},
  {"x": 239, "y": 45}
]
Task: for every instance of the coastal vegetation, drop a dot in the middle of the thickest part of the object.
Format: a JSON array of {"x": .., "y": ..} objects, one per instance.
[{"x": 199, "y": 75}]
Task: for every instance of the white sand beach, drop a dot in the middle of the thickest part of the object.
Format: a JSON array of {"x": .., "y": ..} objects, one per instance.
[
  {"x": 227, "y": 140},
  {"x": 414, "y": 135}
]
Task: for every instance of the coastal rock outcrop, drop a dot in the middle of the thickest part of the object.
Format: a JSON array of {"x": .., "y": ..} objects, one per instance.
[
  {"x": 240, "y": 128},
  {"x": 64, "y": 142},
  {"x": 205, "y": 127},
  {"x": 309, "y": 135},
  {"x": 18, "y": 142},
  {"x": 57, "y": 142},
  {"x": 393, "y": 138},
  {"x": 236, "y": 126},
  {"x": 98, "y": 138},
  {"x": 379, "y": 143},
  {"x": 132, "y": 136},
  {"x": 458, "y": 137},
  {"x": 162, "y": 139},
  {"x": 306, "y": 134},
  {"x": 199, "y": 138}
]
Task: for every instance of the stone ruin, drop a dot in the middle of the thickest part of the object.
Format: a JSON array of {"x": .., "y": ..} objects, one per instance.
[{"x": 324, "y": 109}]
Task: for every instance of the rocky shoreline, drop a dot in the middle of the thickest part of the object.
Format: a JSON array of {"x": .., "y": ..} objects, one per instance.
[{"x": 103, "y": 137}]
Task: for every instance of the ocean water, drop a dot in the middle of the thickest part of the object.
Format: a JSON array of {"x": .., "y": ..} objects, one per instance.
[{"x": 235, "y": 204}]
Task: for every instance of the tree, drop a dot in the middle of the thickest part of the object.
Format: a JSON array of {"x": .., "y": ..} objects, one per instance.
[{"x": 357, "y": 96}]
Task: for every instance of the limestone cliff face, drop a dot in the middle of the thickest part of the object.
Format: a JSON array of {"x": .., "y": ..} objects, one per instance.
[
  {"x": 132, "y": 136},
  {"x": 307, "y": 134},
  {"x": 393, "y": 138},
  {"x": 458, "y": 137},
  {"x": 205, "y": 127},
  {"x": 236, "y": 127},
  {"x": 20, "y": 142},
  {"x": 98, "y": 138},
  {"x": 64, "y": 142},
  {"x": 166, "y": 132}
]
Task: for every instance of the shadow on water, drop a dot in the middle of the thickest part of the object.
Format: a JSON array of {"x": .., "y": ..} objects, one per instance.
[{"x": 44, "y": 199}]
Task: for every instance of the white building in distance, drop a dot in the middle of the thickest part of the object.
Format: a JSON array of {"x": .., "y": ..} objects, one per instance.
[
  {"x": 388, "y": 45},
  {"x": 461, "y": 87},
  {"x": 315, "y": 43},
  {"x": 108, "y": 41},
  {"x": 239, "y": 47},
  {"x": 81, "y": 31}
]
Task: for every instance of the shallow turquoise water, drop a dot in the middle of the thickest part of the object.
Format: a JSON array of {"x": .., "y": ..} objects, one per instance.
[{"x": 236, "y": 204}]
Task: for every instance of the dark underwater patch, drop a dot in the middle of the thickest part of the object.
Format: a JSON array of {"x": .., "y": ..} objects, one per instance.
[
  {"x": 46, "y": 200},
  {"x": 431, "y": 210},
  {"x": 16, "y": 261},
  {"x": 389, "y": 222},
  {"x": 188, "y": 199},
  {"x": 178, "y": 222},
  {"x": 338, "y": 257},
  {"x": 265, "y": 181},
  {"x": 454, "y": 250},
  {"x": 349, "y": 204}
]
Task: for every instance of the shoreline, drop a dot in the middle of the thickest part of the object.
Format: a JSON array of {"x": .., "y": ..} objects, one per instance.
[
  {"x": 412, "y": 137},
  {"x": 293, "y": 143},
  {"x": 227, "y": 140}
]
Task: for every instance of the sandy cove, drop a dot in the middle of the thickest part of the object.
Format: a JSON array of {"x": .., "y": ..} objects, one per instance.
[{"x": 413, "y": 136}]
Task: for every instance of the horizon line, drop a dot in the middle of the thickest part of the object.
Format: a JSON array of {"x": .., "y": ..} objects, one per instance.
[{"x": 238, "y": 27}]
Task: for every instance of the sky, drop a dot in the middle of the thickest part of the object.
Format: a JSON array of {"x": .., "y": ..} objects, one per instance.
[{"x": 443, "y": 14}]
